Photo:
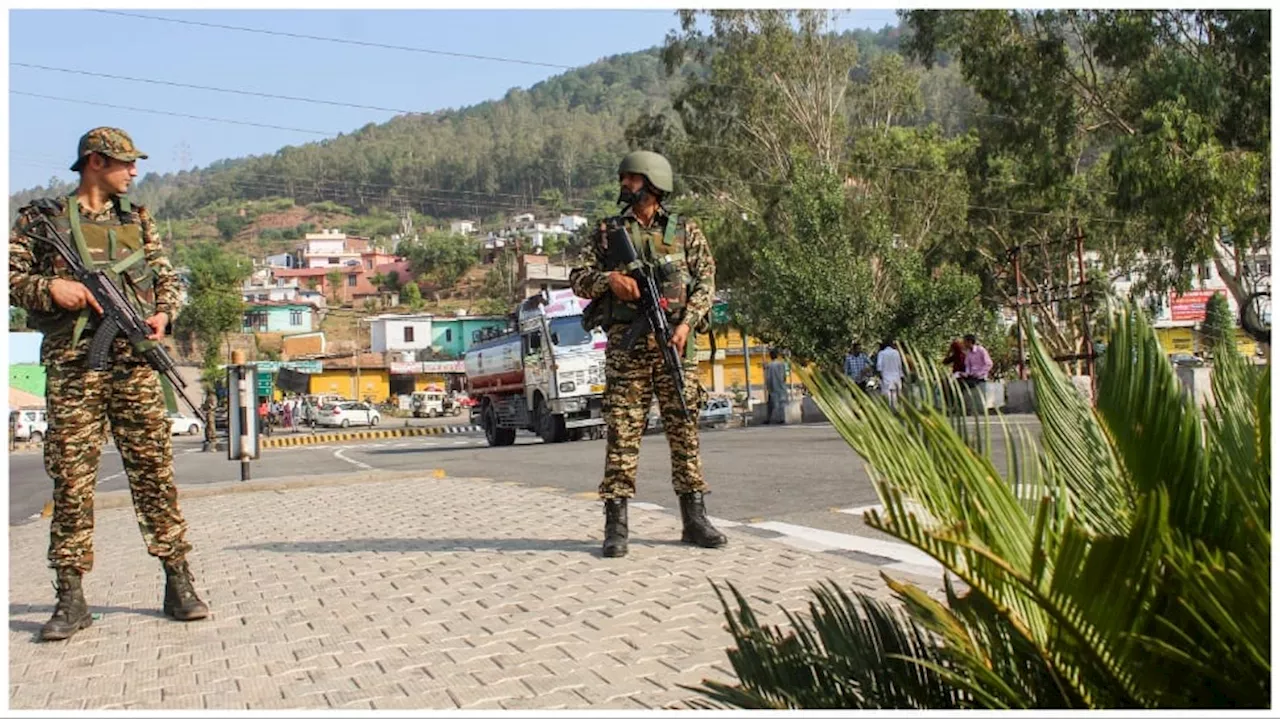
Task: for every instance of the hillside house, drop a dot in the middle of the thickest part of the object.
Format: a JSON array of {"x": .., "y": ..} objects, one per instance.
[
  {"x": 400, "y": 333},
  {"x": 286, "y": 318},
  {"x": 538, "y": 274},
  {"x": 334, "y": 249},
  {"x": 462, "y": 227}
]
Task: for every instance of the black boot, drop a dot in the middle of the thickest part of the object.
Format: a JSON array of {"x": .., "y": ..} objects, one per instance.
[
  {"x": 615, "y": 527},
  {"x": 71, "y": 614},
  {"x": 697, "y": 529},
  {"x": 180, "y": 599}
]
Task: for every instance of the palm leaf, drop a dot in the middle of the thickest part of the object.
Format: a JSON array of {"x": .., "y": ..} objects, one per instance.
[{"x": 852, "y": 653}]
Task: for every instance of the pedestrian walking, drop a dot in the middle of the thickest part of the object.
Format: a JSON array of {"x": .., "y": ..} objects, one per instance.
[
  {"x": 678, "y": 256},
  {"x": 775, "y": 385},
  {"x": 109, "y": 232},
  {"x": 977, "y": 367},
  {"x": 890, "y": 368},
  {"x": 857, "y": 366}
]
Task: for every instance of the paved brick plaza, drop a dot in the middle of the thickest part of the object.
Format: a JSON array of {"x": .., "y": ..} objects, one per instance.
[{"x": 403, "y": 593}]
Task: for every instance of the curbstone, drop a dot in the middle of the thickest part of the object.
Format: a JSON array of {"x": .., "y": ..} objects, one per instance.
[{"x": 328, "y": 437}]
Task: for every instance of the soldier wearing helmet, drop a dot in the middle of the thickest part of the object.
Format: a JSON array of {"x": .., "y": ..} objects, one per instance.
[
  {"x": 111, "y": 233},
  {"x": 679, "y": 259}
]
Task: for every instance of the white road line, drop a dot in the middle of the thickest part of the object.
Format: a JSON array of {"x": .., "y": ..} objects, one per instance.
[
  {"x": 338, "y": 454},
  {"x": 110, "y": 477},
  {"x": 648, "y": 506},
  {"x": 907, "y": 558},
  {"x": 723, "y": 522}
]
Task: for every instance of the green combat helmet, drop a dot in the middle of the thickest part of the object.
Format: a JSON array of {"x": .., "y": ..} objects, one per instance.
[
  {"x": 653, "y": 166},
  {"x": 110, "y": 141}
]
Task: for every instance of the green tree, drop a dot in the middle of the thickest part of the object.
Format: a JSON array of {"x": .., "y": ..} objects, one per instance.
[
  {"x": 440, "y": 259},
  {"x": 215, "y": 305},
  {"x": 17, "y": 319},
  {"x": 412, "y": 296},
  {"x": 230, "y": 224},
  {"x": 1157, "y": 118},
  {"x": 334, "y": 278},
  {"x": 1120, "y": 560},
  {"x": 1219, "y": 326}
]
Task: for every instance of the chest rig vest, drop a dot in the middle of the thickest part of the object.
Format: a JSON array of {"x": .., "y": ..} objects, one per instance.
[
  {"x": 112, "y": 244},
  {"x": 661, "y": 249}
]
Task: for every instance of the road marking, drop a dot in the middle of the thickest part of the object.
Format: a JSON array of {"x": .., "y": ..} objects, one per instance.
[
  {"x": 108, "y": 478},
  {"x": 338, "y": 453},
  {"x": 907, "y": 558},
  {"x": 645, "y": 505}
]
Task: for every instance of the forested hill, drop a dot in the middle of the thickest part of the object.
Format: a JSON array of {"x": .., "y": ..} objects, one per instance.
[{"x": 560, "y": 138}]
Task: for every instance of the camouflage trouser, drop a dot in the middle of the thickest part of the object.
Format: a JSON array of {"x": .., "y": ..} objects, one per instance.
[
  {"x": 631, "y": 378},
  {"x": 80, "y": 402}
]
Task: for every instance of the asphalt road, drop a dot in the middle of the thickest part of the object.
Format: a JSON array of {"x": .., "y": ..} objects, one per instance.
[{"x": 797, "y": 474}]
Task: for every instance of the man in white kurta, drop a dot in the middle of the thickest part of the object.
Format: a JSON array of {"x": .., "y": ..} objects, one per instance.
[{"x": 889, "y": 367}]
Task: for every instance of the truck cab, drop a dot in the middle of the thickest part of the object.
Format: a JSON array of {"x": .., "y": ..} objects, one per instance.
[{"x": 545, "y": 375}]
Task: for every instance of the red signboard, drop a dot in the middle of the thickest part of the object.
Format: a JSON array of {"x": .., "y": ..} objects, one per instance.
[{"x": 1190, "y": 307}]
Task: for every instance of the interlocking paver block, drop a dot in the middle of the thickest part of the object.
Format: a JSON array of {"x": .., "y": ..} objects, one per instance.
[{"x": 349, "y": 595}]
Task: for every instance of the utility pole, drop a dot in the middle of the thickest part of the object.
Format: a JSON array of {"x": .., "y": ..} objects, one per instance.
[
  {"x": 1084, "y": 310},
  {"x": 1017, "y": 279}
]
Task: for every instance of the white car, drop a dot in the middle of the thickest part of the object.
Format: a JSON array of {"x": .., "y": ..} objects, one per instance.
[
  {"x": 719, "y": 410},
  {"x": 179, "y": 423},
  {"x": 345, "y": 414},
  {"x": 29, "y": 424}
]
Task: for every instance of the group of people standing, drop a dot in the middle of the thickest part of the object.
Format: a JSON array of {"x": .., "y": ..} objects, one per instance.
[
  {"x": 289, "y": 413},
  {"x": 969, "y": 361}
]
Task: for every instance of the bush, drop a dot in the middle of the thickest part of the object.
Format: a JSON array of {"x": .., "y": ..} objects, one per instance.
[{"x": 1124, "y": 562}]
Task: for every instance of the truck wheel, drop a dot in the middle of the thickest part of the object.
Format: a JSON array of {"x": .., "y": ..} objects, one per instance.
[
  {"x": 497, "y": 436},
  {"x": 550, "y": 426}
]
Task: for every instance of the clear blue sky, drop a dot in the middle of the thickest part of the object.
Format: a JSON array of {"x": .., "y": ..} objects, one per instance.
[{"x": 43, "y": 132}]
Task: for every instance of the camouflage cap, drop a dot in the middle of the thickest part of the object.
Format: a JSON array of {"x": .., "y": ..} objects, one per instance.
[{"x": 109, "y": 141}]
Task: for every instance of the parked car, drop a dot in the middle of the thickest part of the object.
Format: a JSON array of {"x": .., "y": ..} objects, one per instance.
[
  {"x": 345, "y": 414},
  {"x": 179, "y": 423},
  {"x": 29, "y": 424},
  {"x": 719, "y": 410}
]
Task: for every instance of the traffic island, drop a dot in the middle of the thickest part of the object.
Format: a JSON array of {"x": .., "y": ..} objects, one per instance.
[{"x": 298, "y": 440}]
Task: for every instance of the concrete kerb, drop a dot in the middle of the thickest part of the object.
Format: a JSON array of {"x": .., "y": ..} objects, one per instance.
[{"x": 345, "y": 436}]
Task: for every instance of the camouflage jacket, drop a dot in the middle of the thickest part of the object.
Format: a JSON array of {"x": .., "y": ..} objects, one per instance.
[
  {"x": 31, "y": 271},
  {"x": 590, "y": 279}
]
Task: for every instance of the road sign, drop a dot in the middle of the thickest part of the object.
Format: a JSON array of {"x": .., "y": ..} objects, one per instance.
[
  {"x": 264, "y": 384},
  {"x": 720, "y": 313}
]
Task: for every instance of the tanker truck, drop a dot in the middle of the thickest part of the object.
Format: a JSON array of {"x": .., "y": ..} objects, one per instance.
[{"x": 545, "y": 376}]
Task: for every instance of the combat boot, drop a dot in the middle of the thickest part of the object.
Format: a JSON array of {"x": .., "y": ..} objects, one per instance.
[
  {"x": 71, "y": 614},
  {"x": 697, "y": 528},
  {"x": 180, "y": 599},
  {"x": 615, "y": 527}
]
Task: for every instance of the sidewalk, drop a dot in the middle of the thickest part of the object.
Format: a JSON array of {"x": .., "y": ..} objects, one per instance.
[{"x": 399, "y": 592}]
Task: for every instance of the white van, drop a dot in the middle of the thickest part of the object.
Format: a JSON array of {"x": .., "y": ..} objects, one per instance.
[{"x": 29, "y": 424}]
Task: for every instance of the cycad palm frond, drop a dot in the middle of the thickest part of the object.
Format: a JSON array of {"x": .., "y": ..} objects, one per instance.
[{"x": 1124, "y": 565}]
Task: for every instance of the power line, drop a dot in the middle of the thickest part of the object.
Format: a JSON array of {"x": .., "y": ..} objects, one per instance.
[
  {"x": 337, "y": 103},
  {"x": 404, "y": 48},
  {"x": 344, "y": 41},
  {"x": 250, "y": 93},
  {"x": 173, "y": 114}
]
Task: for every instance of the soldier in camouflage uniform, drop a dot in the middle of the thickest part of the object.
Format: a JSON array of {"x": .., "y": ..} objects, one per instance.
[
  {"x": 108, "y": 232},
  {"x": 679, "y": 258}
]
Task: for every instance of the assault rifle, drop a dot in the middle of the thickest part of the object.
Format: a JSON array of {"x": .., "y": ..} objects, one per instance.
[
  {"x": 653, "y": 317},
  {"x": 118, "y": 315}
]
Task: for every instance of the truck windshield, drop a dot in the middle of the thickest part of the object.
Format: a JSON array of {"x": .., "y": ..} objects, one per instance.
[{"x": 568, "y": 332}]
